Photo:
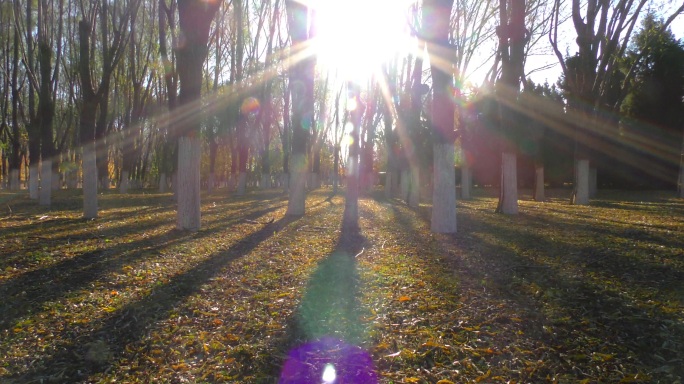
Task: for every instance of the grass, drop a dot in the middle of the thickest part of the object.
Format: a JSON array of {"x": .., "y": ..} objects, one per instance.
[{"x": 558, "y": 293}]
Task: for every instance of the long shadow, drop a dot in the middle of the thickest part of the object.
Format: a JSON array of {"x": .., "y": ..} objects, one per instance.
[
  {"x": 584, "y": 312},
  {"x": 133, "y": 321},
  {"x": 28, "y": 292},
  {"x": 326, "y": 330}
]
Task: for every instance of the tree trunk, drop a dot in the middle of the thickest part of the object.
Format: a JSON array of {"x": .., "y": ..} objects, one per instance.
[
  {"x": 539, "y": 183},
  {"x": 163, "y": 183},
  {"x": 593, "y": 181},
  {"x": 436, "y": 17},
  {"x": 444, "y": 193},
  {"x": 405, "y": 184},
  {"x": 582, "y": 182},
  {"x": 509, "y": 184},
  {"x": 45, "y": 182},
  {"x": 124, "y": 184},
  {"x": 414, "y": 186},
  {"x": 194, "y": 19},
  {"x": 188, "y": 183},
  {"x": 89, "y": 180},
  {"x": 302, "y": 83},
  {"x": 33, "y": 181},
  {"x": 466, "y": 179},
  {"x": 350, "y": 218}
]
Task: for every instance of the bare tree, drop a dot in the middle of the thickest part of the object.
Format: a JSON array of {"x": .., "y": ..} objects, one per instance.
[
  {"x": 194, "y": 19},
  {"x": 94, "y": 101},
  {"x": 512, "y": 38},
  {"x": 301, "y": 89},
  {"x": 436, "y": 16}
]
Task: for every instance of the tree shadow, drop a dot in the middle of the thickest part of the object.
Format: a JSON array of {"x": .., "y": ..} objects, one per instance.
[
  {"x": 572, "y": 297},
  {"x": 326, "y": 329},
  {"x": 109, "y": 336},
  {"x": 21, "y": 295}
]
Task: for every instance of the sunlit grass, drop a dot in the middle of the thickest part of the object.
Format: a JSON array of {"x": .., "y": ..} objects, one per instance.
[{"x": 558, "y": 292}]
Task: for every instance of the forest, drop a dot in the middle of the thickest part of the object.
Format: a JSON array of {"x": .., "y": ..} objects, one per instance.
[{"x": 302, "y": 191}]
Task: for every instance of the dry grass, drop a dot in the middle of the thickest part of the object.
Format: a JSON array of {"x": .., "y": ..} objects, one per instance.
[{"x": 558, "y": 293}]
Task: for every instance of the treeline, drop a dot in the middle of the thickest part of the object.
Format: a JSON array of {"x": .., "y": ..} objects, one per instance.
[{"x": 90, "y": 97}]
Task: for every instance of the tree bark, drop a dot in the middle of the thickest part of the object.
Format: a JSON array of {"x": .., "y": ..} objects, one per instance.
[
  {"x": 89, "y": 180},
  {"x": 582, "y": 180},
  {"x": 301, "y": 88},
  {"x": 350, "y": 218},
  {"x": 436, "y": 17},
  {"x": 189, "y": 155},
  {"x": 194, "y": 20},
  {"x": 509, "y": 184}
]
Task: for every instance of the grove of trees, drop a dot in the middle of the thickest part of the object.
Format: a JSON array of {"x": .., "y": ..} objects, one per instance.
[{"x": 191, "y": 94}]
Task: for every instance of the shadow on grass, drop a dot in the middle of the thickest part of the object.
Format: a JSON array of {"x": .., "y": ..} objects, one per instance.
[
  {"x": 580, "y": 299},
  {"x": 23, "y": 295},
  {"x": 132, "y": 322},
  {"x": 327, "y": 328}
]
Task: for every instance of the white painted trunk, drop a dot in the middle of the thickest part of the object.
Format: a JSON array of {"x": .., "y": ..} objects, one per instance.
[
  {"x": 593, "y": 182},
  {"x": 444, "y": 191},
  {"x": 388, "y": 185},
  {"x": 89, "y": 181},
  {"x": 265, "y": 182},
  {"x": 125, "y": 183},
  {"x": 14, "y": 180},
  {"x": 509, "y": 184},
  {"x": 582, "y": 187},
  {"x": 163, "y": 183},
  {"x": 33, "y": 181},
  {"x": 72, "y": 179},
  {"x": 242, "y": 184},
  {"x": 539, "y": 184},
  {"x": 466, "y": 181},
  {"x": 405, "y": 184},
  {"x": 188, "y": 184},
  {"x": 45, "y": 182},
  {"x": 297, "y": 200},
  {"x": 414, "y": 189}
]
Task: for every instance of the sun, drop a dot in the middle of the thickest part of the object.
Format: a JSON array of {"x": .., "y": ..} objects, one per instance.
[{"x": 353, "y": 38}]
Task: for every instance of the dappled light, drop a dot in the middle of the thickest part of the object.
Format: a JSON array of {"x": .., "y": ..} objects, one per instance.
[{"x": 559, "y": 291}]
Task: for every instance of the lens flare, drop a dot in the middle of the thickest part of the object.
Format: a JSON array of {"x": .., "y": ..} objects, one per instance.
[{"x": 329, "y": 374}]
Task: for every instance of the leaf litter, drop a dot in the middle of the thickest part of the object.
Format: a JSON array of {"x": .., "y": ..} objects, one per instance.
[{"x": 558, "y": 293}]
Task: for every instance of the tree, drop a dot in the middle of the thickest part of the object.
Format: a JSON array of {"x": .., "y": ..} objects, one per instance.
[
  {"x": 194, "y": 20},
  {"x": 603, "y": 31},
  {"x": 301, "y": 89},
  {"x": 436, "y": 16},
  {"x": 654, "y": 103},
  {"x": 350, "y": 218},
  {"x": 94, "y": 101},
  {"x": 512, "y": 38}
]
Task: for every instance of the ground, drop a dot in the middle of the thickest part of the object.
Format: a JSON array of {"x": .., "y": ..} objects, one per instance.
[{"x": 558, "y": 293}]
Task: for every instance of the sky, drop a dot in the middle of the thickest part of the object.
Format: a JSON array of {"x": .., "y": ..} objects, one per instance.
[{"x": 552, "y": 74}]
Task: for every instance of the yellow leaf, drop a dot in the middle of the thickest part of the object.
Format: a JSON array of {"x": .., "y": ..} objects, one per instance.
[
  {"x": 411, "y": 380},
  {"x": 484, "y": 377},
  {"x": 445, "y": 382},
  {"x": 404, "y": 298}
]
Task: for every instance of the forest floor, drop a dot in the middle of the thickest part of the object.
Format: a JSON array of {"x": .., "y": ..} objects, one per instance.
[{"x": 558, "y": 293}]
